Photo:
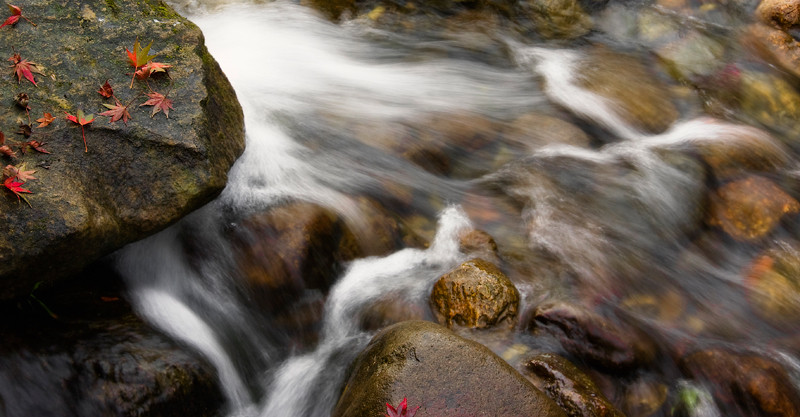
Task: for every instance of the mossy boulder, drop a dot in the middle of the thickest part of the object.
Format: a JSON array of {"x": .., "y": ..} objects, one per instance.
[
  {"x": 135, "y": 179},
  {"x": 442, "y": 373}
]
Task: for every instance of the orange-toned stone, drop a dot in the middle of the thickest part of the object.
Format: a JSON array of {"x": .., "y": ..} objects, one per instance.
[
  {"x": 750, "y": 208},
  {"x": 476, "y": 294},
  {"x": 773, "y": 284}
]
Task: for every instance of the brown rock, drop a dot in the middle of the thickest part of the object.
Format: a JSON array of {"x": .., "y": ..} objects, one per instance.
[
  {"x": 756, "y": 385},
  {"x": 373, "y": 233},
  {"x": 477, "y": 295},
  {"x": 562, "y": 19},
  {"x": 773, "y": 284},
  {"x": 478, "y": 244},
  {"x": 332, "y": 9},
  {"x": 780, "y": 14},
  {"x": 429, "y": 157},
  {"x": 749, "y": 208},
  {"x": 536, "y": 130},
  {"x": 287, "y": 250},
  {"x": 753, "y": 150},
  {"x": 774, "y": 46},
  {"x": 644, "y": 398},
  {"x": 595, "y": 339},
  {"x": 467, "y": 130},
  {"x": 643, "y": 100},
  {"x": 570, "y": 388},
  {"x": 442, "y": 373},
  {"x": 389, "y": 309}
]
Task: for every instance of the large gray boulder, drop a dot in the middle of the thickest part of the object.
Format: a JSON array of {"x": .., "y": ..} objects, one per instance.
[
  {"x": 446, "y": 375},
  {"x": 135, "y": 179}
]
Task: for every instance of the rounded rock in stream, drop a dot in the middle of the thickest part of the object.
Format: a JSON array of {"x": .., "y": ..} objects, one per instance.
[
  {"x": 595, "y": 339},
  {"x": 774, "y": 46},
  {"x": 753, "y": 384},
  {"x": 780, "y": 14},
  {"x": 287, "y": 250},
  {"x": 570, "y": 388},
  {"x": 562, "y": 19},
  {"x": 476, "y": 294},
  {"x": 773, "y": 285},
  {"x": 442, "y": 373},
  {"x": 642, "y": 99},
  {"x": 749, "y": 149},
  {"x": 536, "y": 130},
  {"x": 750, "y": 208}
]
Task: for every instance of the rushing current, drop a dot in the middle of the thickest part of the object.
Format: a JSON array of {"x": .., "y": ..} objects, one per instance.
[{"x": 606, "y": 224}]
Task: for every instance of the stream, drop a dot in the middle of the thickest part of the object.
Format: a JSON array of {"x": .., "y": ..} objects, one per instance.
[{"x": 618, "y": 214}]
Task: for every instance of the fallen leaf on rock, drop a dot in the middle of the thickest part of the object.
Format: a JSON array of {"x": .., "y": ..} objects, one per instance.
[
  {"x": 16, "y": 13},
  {"x": 20, "y": 174},
  {"x": 25, "y": 130},
  {"x": 150, "y": 68},
  {"x": 106, "y": 90},
  {"x": 5, "y": 149},
  {"x": 82, "y": 120},
  {"x": 401, "y": 410},
  {"x": 24, "y": 68},
  {"x": 117, "y": 112},
  {"x": 159, "y": 102},
  {"x": 16, "y": 188},
  {"x": 45, "y": 121},
  {"x": 139, "y": 57},
  {"x": 36, "y": 145},
  {"x": 22, "y": 100}
]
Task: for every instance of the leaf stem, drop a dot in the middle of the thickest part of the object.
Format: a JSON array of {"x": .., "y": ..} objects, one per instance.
[
  {"x": 86, "y": 148},
  {"x": 34, "y": 24}
]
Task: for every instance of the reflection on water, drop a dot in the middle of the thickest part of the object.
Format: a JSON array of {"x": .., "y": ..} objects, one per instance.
[{"x": 635, "y": 188}]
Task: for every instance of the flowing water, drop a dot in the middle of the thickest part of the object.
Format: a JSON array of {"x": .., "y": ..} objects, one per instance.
[{"x": 617, "y": 224}]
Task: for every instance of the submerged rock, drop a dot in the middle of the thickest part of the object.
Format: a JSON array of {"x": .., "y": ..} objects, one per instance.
[
  {"x": 773, "y": 284},
  {"x": 476, "y": 294},
  {"x": 756, "y": 385},
  {"x": 562, "y": 19},
  {"x": 774, "y": 46},
  {"x": 288, "y": 250},
  {"x": 642, "y": 99},
  {"x": 747, "y": 151},
  {"x": 750, "y": 208},
  {"x": 442, "y": 373},
  {"x": 135, "y": 179},
  {"x": 478, "y": 244},
  {"x": 570, "y": 388},
  {"x": 593, "y": 338},
  {"x": 535, "y": 130},
  {"x": 773, "y": 102}
]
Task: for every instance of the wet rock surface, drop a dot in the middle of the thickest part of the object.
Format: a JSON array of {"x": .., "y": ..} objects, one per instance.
[
  {"x": 750, "y": 208},
  {"x": 570, "y": 388},
  {"x": 753, "y": 384},
  {"x": 476, "y": 294},
  {"x": 780, "y": 14},
  {"x": 594, "y": 339},
  {"x": 96, "y": 358},
  {"x": 442, "y": 373},
  {"x": 288, "y": 250},
  {"x": 643, "y": 100},
  {"x": 562, "y": 19},
  {"x": 773, "y": 284},
  {"x": 134, "y": 180}
]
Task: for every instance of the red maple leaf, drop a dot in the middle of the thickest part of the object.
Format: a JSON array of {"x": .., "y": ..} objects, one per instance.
[
  {"x": 138, "y": 57},
  {"x": 82, "y": 120},
  {"x": 45, "y": 120},
  {"x": 117, "y": 112},
  {"x": 20, "y": 174},
  {"x": 159, "y": 102},
  {"x": 23, "y": 68},
  {"x": 401, "y": 410},
  {"x": 36, "y": 145},
  {"x": 16, "y": 188},
  {"x": 106, "y": 90},
  {"x": 5, "y": 149},
  {"x": 16, "y": 13},
  {"x": 150, "y": 68}
]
